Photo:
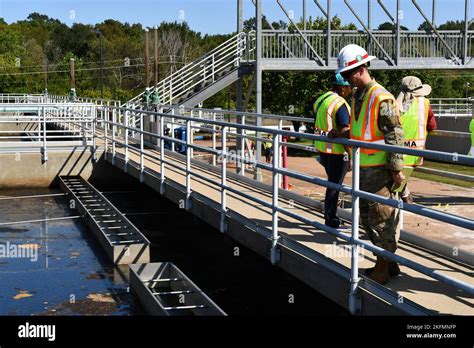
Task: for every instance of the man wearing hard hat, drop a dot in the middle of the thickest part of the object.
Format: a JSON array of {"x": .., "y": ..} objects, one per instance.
[
  {"x": 417, "y": 119},
  {"x": 375, "y": 119},
  {"x": 332, "y": 114}
]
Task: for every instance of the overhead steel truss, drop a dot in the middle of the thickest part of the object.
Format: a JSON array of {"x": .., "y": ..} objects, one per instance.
[{"x": 300, "y": 49}]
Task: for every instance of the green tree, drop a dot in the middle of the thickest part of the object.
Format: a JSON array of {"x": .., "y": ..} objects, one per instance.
[{"x": 390, "y": 26}]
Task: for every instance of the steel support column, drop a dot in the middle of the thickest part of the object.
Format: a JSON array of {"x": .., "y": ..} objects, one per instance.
[
  {"x": 466, "y": 28},
  {"x": 328, "y": 37},
  {"x": 240, "y": 86},
  {"x": 258, "y": 75}
]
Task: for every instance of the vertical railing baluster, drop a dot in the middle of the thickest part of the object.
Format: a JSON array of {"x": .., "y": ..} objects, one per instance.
[
  {"x": 45, "y": 154},
  {"x": 114, "y": 130},
  {"x": 142, "y": 149},
  {"x": 354, "y": 297},
  {"x": 222, "y": 225},
  {"x": 242, "y": 147},
  {"x": 125, "y": 122},
  {"x": 213, "y": 138},
  {"x": 188, "y": 165},
  {"x": 162, "y": 153},
  {"x": 275, "y": 254}
]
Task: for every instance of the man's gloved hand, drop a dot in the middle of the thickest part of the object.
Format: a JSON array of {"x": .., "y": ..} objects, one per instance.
[{"x": 332, "y": 134}]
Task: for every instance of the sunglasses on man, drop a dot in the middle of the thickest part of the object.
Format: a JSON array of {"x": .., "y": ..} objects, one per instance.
[{"x": 348, "y": 74}]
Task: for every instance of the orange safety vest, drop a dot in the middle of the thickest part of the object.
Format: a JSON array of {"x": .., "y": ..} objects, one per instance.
[{"x": 365, "y": 126}]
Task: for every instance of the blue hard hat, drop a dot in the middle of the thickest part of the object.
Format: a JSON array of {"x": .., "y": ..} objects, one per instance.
[{"x": 338, "y": 80}]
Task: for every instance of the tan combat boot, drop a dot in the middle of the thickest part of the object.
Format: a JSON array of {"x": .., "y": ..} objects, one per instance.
[
  {"x": 380, "y": 274},
  {"x": 393, "y": 269}
]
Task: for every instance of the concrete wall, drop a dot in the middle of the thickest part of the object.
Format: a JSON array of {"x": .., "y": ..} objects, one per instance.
[
  {"x": 27, "y": 169},
  {"x": 24, "y": 127}
]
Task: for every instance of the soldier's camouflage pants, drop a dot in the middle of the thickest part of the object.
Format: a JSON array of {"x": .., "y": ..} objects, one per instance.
[{"x": 381, "y": 222}]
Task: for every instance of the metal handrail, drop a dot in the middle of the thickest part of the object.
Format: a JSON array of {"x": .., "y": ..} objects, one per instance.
[
  {"x": 116, "y": 131},
  {"x": 413, "y": 44},
  {"x": 75, "y": 125},
  {"x": 228, "y": 54}
]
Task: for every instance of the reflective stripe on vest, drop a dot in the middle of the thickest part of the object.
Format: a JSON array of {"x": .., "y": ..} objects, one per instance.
[
  {"x": 325, "y": 109},
  {"x": 365, "y": 127},
  {"x": 414, "y": 122}
]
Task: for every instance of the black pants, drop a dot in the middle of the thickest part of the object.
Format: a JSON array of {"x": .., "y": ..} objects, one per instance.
[
  {"x": 268, "y": 153},
  {"x": 336, "y": 169}
]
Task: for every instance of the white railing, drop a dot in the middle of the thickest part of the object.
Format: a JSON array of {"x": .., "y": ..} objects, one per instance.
[
  {"x": 114, "y": 140},
  {"x": 21, "y": 98},
  {"x": 80, "y": 121},
  {"x": 452, "y": 107},
  {"x": 207, "y": 69},
  {"x": 36, "y": 126},
  {"x": 277, "y": 44}
]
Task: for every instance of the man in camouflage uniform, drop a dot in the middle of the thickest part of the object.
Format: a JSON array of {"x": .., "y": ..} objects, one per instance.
[{"x": 381, "y": 222}]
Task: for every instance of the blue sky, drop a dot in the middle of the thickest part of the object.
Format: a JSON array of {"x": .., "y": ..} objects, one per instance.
[{"x": 215, "y": 16}]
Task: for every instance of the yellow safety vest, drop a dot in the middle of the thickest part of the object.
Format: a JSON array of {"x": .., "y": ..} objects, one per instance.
[
  {"x": 325, "y": 109},
  {"x": 414, "y": 122},
  {"x": 365, "y": 126},
  {"x": 268, "y": 144}
]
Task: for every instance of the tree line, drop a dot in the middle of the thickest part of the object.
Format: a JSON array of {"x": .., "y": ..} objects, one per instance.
[{"x": 35, "y": 52}]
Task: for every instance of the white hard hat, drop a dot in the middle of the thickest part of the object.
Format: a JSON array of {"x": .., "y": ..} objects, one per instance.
[{"x": 352, "y": 56}]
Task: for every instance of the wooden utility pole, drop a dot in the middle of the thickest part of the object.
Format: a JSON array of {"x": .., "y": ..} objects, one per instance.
[
  {"x": 73, "y": 81},
  {"x": 155, "y": 61},
  {"x": 46, "y": 77},
  {"x": 147, "y": 58}
]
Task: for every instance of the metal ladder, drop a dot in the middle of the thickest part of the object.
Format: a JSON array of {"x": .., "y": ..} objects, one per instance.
[
  {"x": 163, "y": 289},
  {"x": 123, "y": 242}
]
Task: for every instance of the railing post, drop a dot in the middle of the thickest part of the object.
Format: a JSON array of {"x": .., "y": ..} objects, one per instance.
[
  {"x": 39, "y": 125},
  {"x": 172, "y": 130},
  {"x": 275, "y": 252},
  {"x": 328, "y": 34},
  {"x": 125, "y": 122},
  {"x": 162, "y": 153},
  {"x": 223, "y": 224},
  {"x": 242, "y": 148},
  {"x": 213, "y": 67},
  {"x": 247, "y": 44},
  {"x": 114, "y": 129},
  {"x": 45, "y": 154},
  {"x": 280, "y": 153},
  {"x": 188, "y": 165},
  {"x": 171, "y": 91},
  {"x": 354, "y": 296},
  {"x": 142, "y": 160},
  {"x": 93, "y": 124},
  {"x": 213, "y": 138},
  {"x": 191, "y": 137},
  {"x": 397, "y": 38},
  {"x": 105, "y": 123}
]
